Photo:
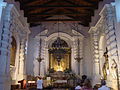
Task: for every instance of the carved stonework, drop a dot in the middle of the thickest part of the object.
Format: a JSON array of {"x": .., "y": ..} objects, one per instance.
[
  {"x": 5, "y": 41},
  {"x": 106, "y": 27}
]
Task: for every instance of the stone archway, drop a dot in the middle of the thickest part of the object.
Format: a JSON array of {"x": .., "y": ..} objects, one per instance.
[
  {"x": 64, "y": 53},
  {"x": 47, "y": 42},
  {"x": 13, "y": 51},
  {"x": 50, "y": 40}
]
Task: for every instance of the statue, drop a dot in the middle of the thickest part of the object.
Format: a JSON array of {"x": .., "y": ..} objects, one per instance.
[
  {"x": 114, "y": 69},
  {"x": 106, "y": 65}
]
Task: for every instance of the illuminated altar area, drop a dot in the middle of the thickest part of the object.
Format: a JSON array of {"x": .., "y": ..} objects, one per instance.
[
  {"x": 67, "y": 61},
  {"x": 64, "y": 64},
  {"x": 89, "y": 46},
  {"x": 65, "y": 58}
]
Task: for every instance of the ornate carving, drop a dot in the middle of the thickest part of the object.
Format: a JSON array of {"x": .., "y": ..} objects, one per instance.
[
  {"x": 106, "y": 65},
  {"x": 114, "y": 69}
]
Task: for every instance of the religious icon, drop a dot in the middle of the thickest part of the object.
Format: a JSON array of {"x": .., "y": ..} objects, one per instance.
[
  {"x": 114, "y": 69},
  {"x": 106, "y": 65}
]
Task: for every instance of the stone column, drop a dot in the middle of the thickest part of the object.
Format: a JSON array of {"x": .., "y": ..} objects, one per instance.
[
  {"x": 78, "y": 57},
  {"x": 81, "y": 56},
  {"x": 5, "y": 50},
  {"x": 22, "y": 59},
  {"x": 111, "y": 36},
  {"x": 96, "y": 78},
  {"x": 2, "y": 4},
  {"x": 74, "y": 62},
  {"x": 117, "y": 6},
  {"x": 44, "y": 56}
]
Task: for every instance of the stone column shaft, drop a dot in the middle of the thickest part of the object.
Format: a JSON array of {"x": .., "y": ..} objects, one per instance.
[
  {"x": 96, "y": 54},
  {"x": 2, "y": 4},
  {"x": 96, "y": 69},
  {"x": 109, "y": 17},
  {"x": 22, "y": 58},
  {"x": 5, "y": 44}
]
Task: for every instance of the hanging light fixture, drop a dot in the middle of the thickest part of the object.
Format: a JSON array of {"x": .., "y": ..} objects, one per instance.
[
  {"x": 78, "y": 58},
  {"x": 58, "y": 47},
  {"x": 39, "y": 59}
]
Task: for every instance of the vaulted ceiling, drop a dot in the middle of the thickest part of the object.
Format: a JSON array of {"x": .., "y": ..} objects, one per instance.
[{"x": 38, "y": 11}]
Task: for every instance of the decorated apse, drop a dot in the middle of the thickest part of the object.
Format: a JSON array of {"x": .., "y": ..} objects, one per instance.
[
  {"x": 58, "y": 52},
  {"x": 59, "y": 55}
]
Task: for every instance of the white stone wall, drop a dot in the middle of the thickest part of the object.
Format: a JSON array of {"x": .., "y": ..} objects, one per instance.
[
  {"x": 32, "y": 67},
  {"x": 117, "y": 32},
  {"x": 11, "y": 25},
  {"x": 106, "y": 27},
  {"x": 87, "y": 58}
]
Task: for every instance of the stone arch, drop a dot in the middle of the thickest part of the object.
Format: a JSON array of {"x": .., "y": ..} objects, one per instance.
[
  {"x": 14, "y": 69},
  {"x": 63, "y": 36},
  {"x": 68, "y": 40}
]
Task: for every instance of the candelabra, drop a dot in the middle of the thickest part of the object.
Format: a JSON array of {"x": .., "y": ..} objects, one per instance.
[
  {"x": 39, "y": 59},
  {"x": 78, "y": 58}
]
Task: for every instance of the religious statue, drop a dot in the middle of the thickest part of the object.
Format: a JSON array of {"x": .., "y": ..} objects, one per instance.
[
  {"x": 106, "y": 65},
  {"x": 114, "y": 69}
]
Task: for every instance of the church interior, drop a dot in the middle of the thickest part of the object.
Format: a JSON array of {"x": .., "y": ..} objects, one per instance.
[{"x": 61, "y": 41}]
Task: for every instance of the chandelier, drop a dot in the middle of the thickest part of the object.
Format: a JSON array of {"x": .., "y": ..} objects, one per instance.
[
  {"x": 78, "y": 58},
  {"x": 58, "y": 48},
  {"x": 39, "y": 59}
]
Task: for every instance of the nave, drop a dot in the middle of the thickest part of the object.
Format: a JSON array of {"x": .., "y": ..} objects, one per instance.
[{"x": 59, "y": 41}]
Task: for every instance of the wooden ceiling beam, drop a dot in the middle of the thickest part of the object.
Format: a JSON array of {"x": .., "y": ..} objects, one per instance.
[
  {"x": 60, "y": 6},
  {"x": 91, "y": 12},
  {"x": 42, "y": 17},
  {"x": 29, "y": 1},
  {"x": 58, "y": 13},
  {"x": 95, "y": 3},
  {"x": 71, "y": 2},
  {"x": 90, "y": 2},
  {"x": 44, "y": 11},
  {"x": 47, "y": 20},
  {"x": 25, "y": 5},
  {"x": 77, "y": 17}
]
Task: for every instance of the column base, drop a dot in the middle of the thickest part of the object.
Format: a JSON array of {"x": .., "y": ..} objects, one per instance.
[
  {"x": 21, "y": 77},
  {"x": 96, "y": 80},
  {"x": 5, "y": 82},
  {"x": 112, "y": 82}
]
